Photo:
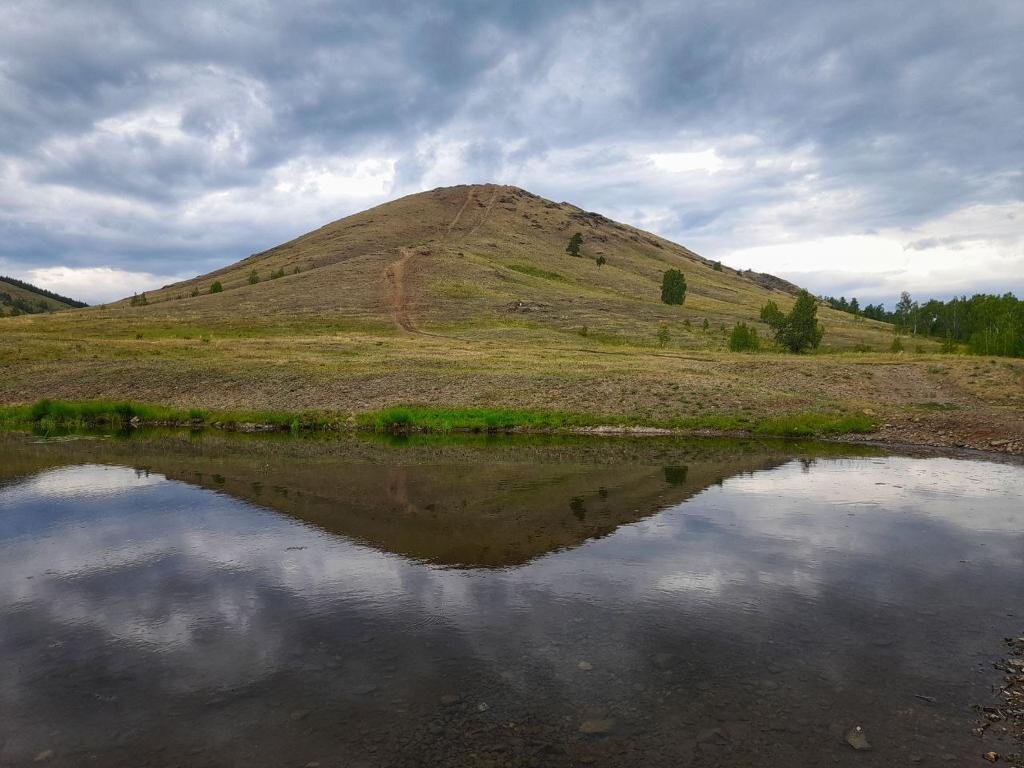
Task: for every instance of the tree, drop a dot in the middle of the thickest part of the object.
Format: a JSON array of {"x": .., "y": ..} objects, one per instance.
[
  {"x": 601, "y": 261},
  {"x": 717, "y": 266},
  {"x": 663, "y": 335},
  {"x": 854, "y": 306},
  {"x": 903, "y": 309},
  {"x": 798, "y": 330},
  {"x": 771, "y": 315},
  {"x": 673, "y": 287},
  {"x": 744, "y": 338},
  {"x": 216, "y": 287},
  {"x": 573, "y": 248},
  {"x": 254, "y": 277}
]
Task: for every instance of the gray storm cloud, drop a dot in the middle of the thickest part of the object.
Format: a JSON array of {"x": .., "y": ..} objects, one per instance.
[{"x": 158, "y": 141}]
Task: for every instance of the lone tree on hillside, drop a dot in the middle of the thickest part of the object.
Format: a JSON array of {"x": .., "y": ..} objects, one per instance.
[
  {"x": 601, "y": 260},
  {"x": 799, "y": 330},
  {"x": 573, "y": 248},
  {"x": 216, "y": 287},
  {"x": 673, "y": 287}
]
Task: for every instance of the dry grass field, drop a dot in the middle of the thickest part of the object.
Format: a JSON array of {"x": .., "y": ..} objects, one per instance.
[{"x": 465, "y": 296}]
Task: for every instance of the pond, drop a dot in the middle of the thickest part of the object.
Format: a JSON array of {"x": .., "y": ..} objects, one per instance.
[{"x": 205, "y": 600}]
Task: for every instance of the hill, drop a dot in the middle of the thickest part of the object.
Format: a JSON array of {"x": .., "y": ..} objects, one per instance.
[
  {"x": 20, "y": 298},
  {"x": 484, "y": 259},
  {"x": 465, "y": 297}
]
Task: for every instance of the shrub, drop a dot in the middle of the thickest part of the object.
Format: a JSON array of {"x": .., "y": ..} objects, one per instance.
[
  {"x": 195, "y": 292},
  {"x": 601, "y": 261},
  {"x": 573, "y": 248},
  {"x": 663, "y": 335},
  {"x": 139, "y": 300},
  {"x": 254, "y": 277},
  {"x": 717, "y": 266},
  {"x": 216, "y": 287},
  {"x": 897, "y": 346},
  {"x": 673, "y": 287},
  {"x": 744, "y": 338},
  {"x": 799, "y": 330}
]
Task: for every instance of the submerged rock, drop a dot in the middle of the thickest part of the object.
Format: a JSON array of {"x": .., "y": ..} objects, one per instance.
[
  {"x": 597, "y": 726},
  {"x": 858, "y": 739}
]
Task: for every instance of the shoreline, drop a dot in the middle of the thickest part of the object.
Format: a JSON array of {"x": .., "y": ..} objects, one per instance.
[{"x": 909, "y": 435}]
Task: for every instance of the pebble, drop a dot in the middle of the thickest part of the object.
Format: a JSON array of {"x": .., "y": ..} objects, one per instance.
[
  {"x": 585, "y": 666},
  {"x": 857, "y": 738},
  {"x": 991, "y": 756},
  {"x": 43, "y": 756}
]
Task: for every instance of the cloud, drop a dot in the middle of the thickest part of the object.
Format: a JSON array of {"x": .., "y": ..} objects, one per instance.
[
  {"x": 197, "y": 135},
  {"x": 97, "y": 285}
]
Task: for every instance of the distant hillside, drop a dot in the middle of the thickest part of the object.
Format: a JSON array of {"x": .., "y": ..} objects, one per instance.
[
  {"x": 20, "y": 298},
  {"x": 482, "y": 259}
]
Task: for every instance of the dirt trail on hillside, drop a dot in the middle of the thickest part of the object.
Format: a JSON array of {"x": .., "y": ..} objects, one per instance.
[
  {"x": 396, "y": 276},
  {"x": 453, "y": 222},
  {"x": 396, "y": 270},
  {"x": 484, "y": 215}
]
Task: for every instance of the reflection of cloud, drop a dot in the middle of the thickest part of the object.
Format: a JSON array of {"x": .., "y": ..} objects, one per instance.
[
  {"x": 79, "y": 481},
  {"x": 223, "y": 590}
]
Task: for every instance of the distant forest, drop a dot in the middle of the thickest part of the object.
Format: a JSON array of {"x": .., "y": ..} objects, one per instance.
[
  {"x": 987, "y": 324},
  {"x": 42, "y": 292}
]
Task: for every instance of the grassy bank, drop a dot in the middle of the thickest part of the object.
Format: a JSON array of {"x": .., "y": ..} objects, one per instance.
[{"x": 65, "y": 415}]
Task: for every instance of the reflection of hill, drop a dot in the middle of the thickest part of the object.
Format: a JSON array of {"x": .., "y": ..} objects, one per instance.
[{"x": 463, "y": 503}]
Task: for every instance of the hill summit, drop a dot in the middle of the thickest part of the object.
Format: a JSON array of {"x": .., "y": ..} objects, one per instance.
[{"x": 480, "y": 258}]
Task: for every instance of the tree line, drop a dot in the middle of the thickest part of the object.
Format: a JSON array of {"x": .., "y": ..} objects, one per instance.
[
  {"x": 42, "y": 291},
  {"x": 986, "y": 323}
]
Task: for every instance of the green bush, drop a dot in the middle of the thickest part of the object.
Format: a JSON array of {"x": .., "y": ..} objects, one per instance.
[
  {"x": 744, "y": 338},
  {"x": 216, "y": 287},
  {"x": 254, "y": 277},
  {"x": 673, "y": 287},
  {"x": 573, "y": 248},
  {"x": 663, "y": 335},
  {"x": 896, "y": 346},
  {"x": 799, "y": 330}
]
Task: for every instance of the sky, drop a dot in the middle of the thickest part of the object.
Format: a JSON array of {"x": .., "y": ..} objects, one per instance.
[{"x": 855, "y": 148}]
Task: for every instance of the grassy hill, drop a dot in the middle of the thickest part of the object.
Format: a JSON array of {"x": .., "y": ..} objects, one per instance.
[
  {"x": 20, "y": 298},
  {"x": 465, "y": 297},
  {"x": 486, "y": 261}
]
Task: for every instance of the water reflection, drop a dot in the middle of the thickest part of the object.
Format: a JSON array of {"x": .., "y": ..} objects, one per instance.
[{"x": 538, "y": 605}]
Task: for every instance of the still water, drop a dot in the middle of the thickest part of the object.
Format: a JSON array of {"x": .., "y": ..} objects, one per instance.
[{"x": 202, "y": 601}]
